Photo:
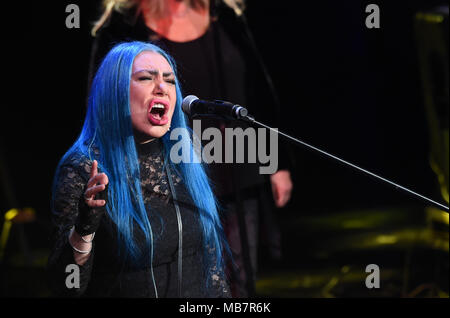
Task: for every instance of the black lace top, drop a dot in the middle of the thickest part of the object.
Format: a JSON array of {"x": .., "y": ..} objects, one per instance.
[{"x": 106, "y": 273}]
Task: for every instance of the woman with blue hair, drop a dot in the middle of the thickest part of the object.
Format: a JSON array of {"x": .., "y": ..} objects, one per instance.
[{"x": 128, "y": 221}]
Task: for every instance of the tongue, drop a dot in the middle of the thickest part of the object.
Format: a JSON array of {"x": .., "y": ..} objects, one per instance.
[{"x": 155, "y": 115}]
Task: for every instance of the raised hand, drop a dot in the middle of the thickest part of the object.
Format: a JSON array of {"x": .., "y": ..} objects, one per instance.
[
  {"x": 96, "y": 184},
  {"x": 94, "y": 199}
]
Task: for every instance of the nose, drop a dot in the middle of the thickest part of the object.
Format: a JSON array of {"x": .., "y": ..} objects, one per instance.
[{"x": 160, "y": 88}]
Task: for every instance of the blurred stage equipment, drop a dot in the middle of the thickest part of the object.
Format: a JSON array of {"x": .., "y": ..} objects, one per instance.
[
  {"x": 431, "y": 30},
  {"x": 14, "y": 216}
]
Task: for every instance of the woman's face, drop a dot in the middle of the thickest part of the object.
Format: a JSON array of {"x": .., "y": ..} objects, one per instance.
[{"x": 152, "y": 95}]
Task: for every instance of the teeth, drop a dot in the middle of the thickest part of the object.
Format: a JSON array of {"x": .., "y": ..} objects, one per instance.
[{"x": 160, "y": 106}]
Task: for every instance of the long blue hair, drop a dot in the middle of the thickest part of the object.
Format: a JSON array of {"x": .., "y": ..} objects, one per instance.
[{"x": 108, "y": 126}]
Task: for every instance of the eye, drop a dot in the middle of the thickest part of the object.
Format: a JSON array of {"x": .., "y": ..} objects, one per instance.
[
  {"x": 145, "y": 78},
  {"x": 171, "y": 81}
]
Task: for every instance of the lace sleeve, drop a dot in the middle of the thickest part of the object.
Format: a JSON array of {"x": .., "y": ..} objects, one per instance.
[
  {"x": 69, "y": 187},
  {"x": 219, "y": 287}
]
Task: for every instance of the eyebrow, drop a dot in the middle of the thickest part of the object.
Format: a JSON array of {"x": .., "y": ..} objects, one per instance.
[{"x": 154, "y": 72}]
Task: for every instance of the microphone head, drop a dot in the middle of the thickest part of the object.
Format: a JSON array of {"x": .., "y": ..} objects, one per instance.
[{"x": 186, "y": 105}]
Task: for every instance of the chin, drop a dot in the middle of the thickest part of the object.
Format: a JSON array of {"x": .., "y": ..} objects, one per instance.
[{"x": 158, "y": 131}]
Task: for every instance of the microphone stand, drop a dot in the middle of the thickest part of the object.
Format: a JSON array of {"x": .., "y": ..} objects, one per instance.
[{"x": 250, "y": 119}]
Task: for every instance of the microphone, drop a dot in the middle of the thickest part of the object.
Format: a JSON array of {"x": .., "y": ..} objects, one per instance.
[{"x": 193, "y": 106}]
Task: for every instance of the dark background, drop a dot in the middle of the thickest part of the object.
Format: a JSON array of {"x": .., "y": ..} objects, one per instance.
[{"x": 349, "y": 90}]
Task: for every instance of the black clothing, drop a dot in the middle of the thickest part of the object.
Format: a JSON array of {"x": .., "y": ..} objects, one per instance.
[{"x": 106, "y": 273}]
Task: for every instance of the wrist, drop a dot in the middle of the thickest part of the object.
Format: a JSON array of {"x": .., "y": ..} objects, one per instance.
[
  {"x": 88, "y": 220},
  {"x": 80, "y": 244},
  {"x": 83, "y": 231}
]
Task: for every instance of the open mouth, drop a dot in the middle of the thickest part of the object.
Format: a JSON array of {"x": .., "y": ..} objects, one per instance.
[{"x": 157, "y": 113}]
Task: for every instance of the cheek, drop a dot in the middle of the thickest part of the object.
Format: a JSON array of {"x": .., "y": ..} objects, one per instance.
[
  {"x": 173, "y": 97},
  {"x": 135, "y": 113},
  {"x": 170, "y": 115},
  {"x": 172, "y": 111},
  {"x": 137, "y": 101},
  {"x": 138, "y": 91}
]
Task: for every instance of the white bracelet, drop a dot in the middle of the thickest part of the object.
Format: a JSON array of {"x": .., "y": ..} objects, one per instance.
[
  {"x": 80, "y": 251},
  {"x": 76, "y": 249}
]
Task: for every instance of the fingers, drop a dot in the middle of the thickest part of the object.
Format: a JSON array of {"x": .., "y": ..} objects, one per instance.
[
  {"x": 95, "y": 203},
  {"x": 100, "y": 178},
  {"x": 94, "y": 169},
  {"x": 95, "y": 177},
  {"x": 283, "y": 199},
  {"x": 96, "y": 184},
  {"x": 92, "y": 191},
  {"x": 280, "y": 202},
  {"x": 285, "y": 194},
  {"x": 281, "y": 187}
]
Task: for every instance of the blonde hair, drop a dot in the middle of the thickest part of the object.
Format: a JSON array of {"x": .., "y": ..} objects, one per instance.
[
  {"x": 155, "y": 8},
  {"x": 109, "y": 6},
  {"x": 237, "y": 5}
]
